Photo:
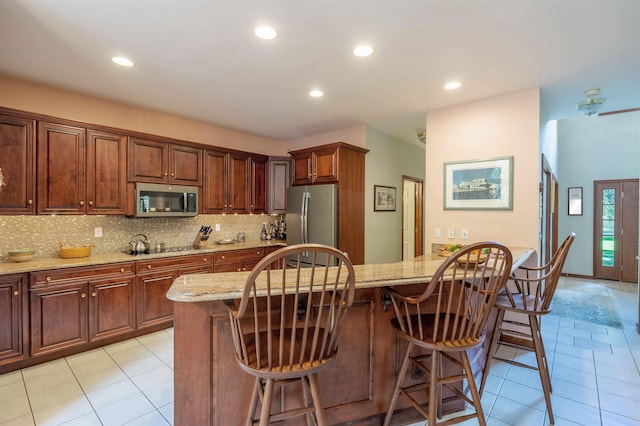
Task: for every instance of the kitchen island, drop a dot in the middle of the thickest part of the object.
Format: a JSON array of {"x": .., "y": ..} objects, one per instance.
[{"x": 210, "y": 388}]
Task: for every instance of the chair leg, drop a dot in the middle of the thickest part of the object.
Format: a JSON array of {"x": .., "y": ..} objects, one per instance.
[
  {"x": 475, "y": 395},
  {"x": 306, "y": 393},
  {"x": 317, "y": 402},
  {"x": 265, "y": 413},
  {"x": 396, "y": 388},
  {"x": 434, "y": 386},
  {"x": 543, "y": 368},
  {"x": 255, "y": 396},
  {"x": 495, "y": 337}
]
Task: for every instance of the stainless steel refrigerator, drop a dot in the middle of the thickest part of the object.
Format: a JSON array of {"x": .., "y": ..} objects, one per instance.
[{"x": 312, "y": 215}]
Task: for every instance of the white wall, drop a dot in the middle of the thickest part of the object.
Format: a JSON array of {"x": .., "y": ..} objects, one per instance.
[
  {"x": 592, "y": 148},
  {"x": 387, "y": 161},
  {"x": 496, "y": 127}
]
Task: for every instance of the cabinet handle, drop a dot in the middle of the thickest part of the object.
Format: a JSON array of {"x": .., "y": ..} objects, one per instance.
[
  {"x": 121, "y": 269},
  {"x": 239, "y": 270},
  {"x": 204, "y": 260},
  {"x": 16, "y": 292},
  {"x": 48, "y": 279},
  {"x": 173, "y": 174},
  {"x": 83, "y": 295},
  {"x": 165, "y": 173},
  {"x": 222, "y": 257},
  {"x": 90, "y": 203},
  {"x": 81, "y": 203},
  {"x": 93, "y": 294},
  {"x": 148, "y": 266},
  {"x": 30, "y": 202}
]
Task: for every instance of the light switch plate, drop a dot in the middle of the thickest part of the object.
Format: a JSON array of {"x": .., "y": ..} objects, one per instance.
[
  {"x": 464, "y": 234},
  {"x": 451, "y": 233},
  {"x": 97, "y": 231},
  {"x": 438, "y": 232},
  {"x": 217, "y": 227}
]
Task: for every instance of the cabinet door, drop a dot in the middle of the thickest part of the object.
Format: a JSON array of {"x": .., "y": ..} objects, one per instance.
[
  {"x": 12, "y": 323},
  {"x": 152, "y": 306},
  {"x": 214, "y": 191},
  {"x": 238, "y": 182},
  {"x": 17, "y": 162},
  {"x": 106, "y": 173},
  {"x": 302, "y": 169},
  {"x": 148, "y": 161},
  {"x": 325, "y": 166},
  {"x": 111, "y": 307},
  {"x": 186, "y": 165},
  {"x": 61, "y": 169},
  {"x": 278, "y": 172},
  {"x": 258, "y": 185},
  {"x": 58, "y": 317}
]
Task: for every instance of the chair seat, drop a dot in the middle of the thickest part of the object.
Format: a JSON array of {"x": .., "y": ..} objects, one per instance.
[
  {"x": 428, "y": 324},
  {"x": 522, "y": 303},
  {"x": 284, "y": 365}
]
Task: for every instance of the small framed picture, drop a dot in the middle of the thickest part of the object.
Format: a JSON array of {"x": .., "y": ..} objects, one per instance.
[
  {"x": 384, "y": 198},
  {"x": 575, "y": 201}
]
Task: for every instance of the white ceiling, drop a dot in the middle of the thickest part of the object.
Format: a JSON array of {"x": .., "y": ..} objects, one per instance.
[{"x": 200, "y": 59}]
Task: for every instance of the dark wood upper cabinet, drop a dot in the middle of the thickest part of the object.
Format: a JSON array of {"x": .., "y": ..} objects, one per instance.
[
  {"x": 80, "y": 171},
  {"x": 161, "y": 162},
  {"x": 234, "y": 182},
  {"x": 17, "y": 161},
  {"x": 278, "y": 179},
  {"x": 106, "y": 173},
  {"x": 316, "y": 165},
  {"x": 61, "y": 169}
]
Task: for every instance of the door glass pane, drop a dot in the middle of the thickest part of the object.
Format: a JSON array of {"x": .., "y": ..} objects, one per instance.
[{"x": 608, "y": 226}]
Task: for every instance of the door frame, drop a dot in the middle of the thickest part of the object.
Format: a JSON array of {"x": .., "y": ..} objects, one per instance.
[{"x": 418, "y": 224}]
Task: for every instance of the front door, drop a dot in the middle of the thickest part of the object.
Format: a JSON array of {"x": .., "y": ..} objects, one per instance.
[{"x": 616, "y": 230}]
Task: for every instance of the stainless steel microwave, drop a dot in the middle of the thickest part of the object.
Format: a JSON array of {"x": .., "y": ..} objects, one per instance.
[{"x": 159, "y": 200}]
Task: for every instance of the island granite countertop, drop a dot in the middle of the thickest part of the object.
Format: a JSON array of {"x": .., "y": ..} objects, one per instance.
[{"x": 229, "y": 285}]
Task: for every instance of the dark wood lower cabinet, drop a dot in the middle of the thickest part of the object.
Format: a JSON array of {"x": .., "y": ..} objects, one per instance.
[
  {"x": 75, "y": 306},
  {"x": 14, "y": 318}
]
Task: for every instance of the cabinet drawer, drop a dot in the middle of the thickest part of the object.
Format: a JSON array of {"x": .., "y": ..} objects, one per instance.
[
  {"x": 238, "y": 255},
  {"x": 173, "y": 263},
  {"x": 62, "y": 276}
]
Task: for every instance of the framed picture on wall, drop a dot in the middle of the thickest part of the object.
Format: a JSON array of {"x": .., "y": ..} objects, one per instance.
[
  {"x": 575, "y": 201},
  {"x": 384, "y": 198},
  {"x": 479, "y": 184}
]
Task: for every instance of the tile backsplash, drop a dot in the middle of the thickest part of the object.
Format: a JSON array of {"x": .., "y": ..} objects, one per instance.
[{"x": 43, "y": 233}]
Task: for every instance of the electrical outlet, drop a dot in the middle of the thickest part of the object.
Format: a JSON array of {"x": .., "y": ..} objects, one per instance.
[
  {"x": 464, "y": 234},
  {"x": 438, "y": 232},
  {"x": 451, "y": 233},
  {"x": 217, "y": 227},
  {"x": 97, "y": 231}
]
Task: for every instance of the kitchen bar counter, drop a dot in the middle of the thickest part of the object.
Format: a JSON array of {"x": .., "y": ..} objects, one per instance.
[
  {"x": 210, "y": 388},
  {"x": 41, "y": 264}
]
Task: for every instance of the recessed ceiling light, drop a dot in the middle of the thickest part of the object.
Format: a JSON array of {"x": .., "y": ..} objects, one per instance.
[
  {"x": 121, "y": 60},
  {"x": 266, "y": 33},
  {"x": 316, "y": 93},
  {"x": 452, "y": 85},
  {"x": 363, "y": 51}
]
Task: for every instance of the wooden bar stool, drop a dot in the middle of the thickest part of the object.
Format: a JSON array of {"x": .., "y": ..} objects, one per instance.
[
  {"x": 444, "y": 321},
  {"x": 529, "y": 298},
  {"x": 286, "y": 326}
]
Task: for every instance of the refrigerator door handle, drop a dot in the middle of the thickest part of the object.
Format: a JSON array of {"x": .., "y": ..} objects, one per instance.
[{"x": 305, "y": 218}]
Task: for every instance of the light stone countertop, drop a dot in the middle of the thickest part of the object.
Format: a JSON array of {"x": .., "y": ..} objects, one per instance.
[
  {"x": 229, "y": 285},
  {"x": 40, "y": 264}
]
